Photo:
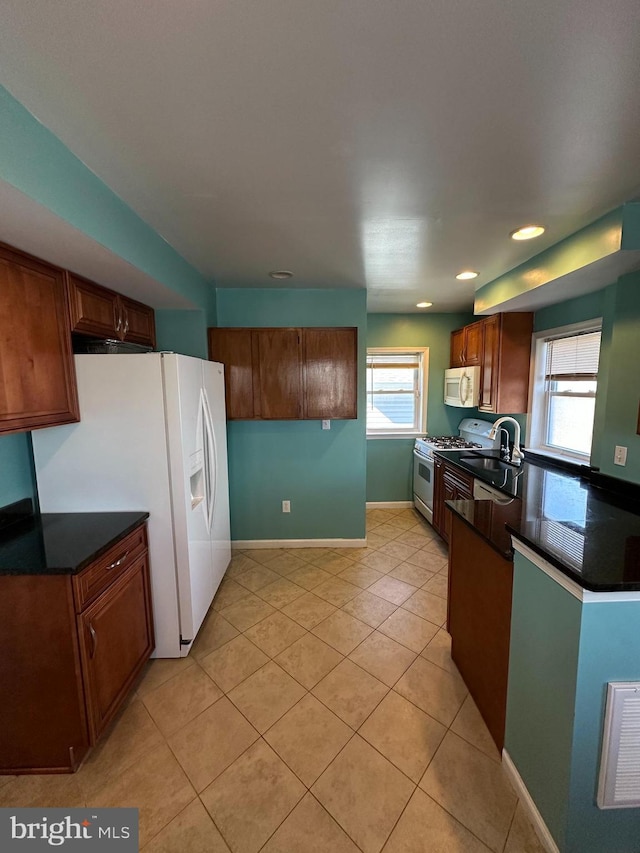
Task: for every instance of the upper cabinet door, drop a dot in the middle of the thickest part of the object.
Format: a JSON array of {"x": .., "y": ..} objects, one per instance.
[
  {"x": 278, "y": 374},
  {"x": 473, "y": 343},
  {"x": 457, "y": 349},
  {"x": 232, "y": 347},
  {"x": 102, "y": 313},
  {"x": 94, "y": 309},
  {"x": 137, "y": 322},
  {"x": 37, "y": 374},
  {"x": 489, "y": 372},
  {"x": 330, "y": 373}
]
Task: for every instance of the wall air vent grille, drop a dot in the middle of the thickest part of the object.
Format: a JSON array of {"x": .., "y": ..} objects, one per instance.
[{"x": 619, "y": 784}]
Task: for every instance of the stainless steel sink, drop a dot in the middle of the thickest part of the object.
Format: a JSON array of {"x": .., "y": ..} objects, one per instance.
[{"x": 487, "y": 463}]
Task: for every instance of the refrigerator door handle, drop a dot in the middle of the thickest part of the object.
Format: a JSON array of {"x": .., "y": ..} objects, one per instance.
[{"x": 210, "y": 460}]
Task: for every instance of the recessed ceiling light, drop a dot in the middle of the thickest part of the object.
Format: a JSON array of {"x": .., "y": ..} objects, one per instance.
[
  {"x": 527, "y": 232},
  {"x": 465, "y": 275},
  {"x": 424, "y": 304},
  {"x": 281, "y": 274}
]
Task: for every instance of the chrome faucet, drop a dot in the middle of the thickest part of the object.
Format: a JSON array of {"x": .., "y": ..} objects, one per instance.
[
  {"x": 516, "y": 455},
  {"x": 504, "y": 448}
]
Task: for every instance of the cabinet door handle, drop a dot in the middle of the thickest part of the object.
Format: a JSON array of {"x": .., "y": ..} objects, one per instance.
[
  {"x": 118, "y": 317},
  {"x": 117, "y": 562},
  {"x": 126, "y": 322},
  {"x": 94, "y": 641}
]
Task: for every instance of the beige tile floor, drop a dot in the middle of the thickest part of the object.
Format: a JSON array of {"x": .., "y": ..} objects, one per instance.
[{"x": 319, "y": 710}]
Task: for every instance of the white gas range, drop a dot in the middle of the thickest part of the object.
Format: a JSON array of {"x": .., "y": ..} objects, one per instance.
[{"x": 474, "y": 434}]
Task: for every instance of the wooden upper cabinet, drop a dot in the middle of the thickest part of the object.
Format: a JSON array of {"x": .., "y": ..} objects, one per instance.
[
  {"x": 288, "y": 374},
  {"x": 489, "y": 372},
  {"x": 137, "y": 322},
  {"x": 277, "y": 386},
  {"x": 94, "y": 309},
  {"x": 467, "y": 345},
  {"x": 506, "y": 363},
  {"x": 473, "y": 344},
  {"x": 501, "y": 346},
  {"x": 457, "y": 348},
  {"x": 232, "y": 347},
  {"x": 37, "y": 374},
  {"x": 330, "y": 373},
  {"x": 102, "y": 313}
]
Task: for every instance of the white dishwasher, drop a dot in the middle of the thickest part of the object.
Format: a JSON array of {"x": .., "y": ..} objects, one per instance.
[{"x": 483, "y": 491}]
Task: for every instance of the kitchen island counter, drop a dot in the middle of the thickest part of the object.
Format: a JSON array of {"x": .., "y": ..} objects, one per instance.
[{"x": 590, "y": 534}]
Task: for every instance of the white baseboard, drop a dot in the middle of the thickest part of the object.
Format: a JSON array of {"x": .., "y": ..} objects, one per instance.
[
  {"x": 389, "y": 504},
  {"x": 544, "y": 836},
  {"x": 247, "y": 544}
]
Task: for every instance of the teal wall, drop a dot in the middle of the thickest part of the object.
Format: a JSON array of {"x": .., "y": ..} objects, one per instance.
[
  {"x": 390, "y": 460},
  {"x": 562, "y": 655},
  {"x": 322, "y": 472},
  {"x": 16, "y": 478},
  {"x": 182, "y": 331},
  {"x": 618, "y": 421},
  {"x": 618, "y": 396},
  {"x": 609, "y": 651},
  {"x": 591, "y": 245},
  {"x": 37, "y": 163},
  {"x": 576, "y": 310},
  {"x": 543, "y": 667}
]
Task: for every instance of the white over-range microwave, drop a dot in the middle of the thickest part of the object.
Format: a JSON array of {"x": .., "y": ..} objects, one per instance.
[{"x": 462, "y": 386}]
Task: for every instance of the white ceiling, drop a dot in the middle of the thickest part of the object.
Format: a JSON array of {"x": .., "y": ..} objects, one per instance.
[{"x": 378, "y": 143}]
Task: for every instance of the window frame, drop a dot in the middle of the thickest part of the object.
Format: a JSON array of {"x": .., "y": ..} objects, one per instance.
[
  {"x": 423, "y": 382},
  {"x": 537, "y": 417}
]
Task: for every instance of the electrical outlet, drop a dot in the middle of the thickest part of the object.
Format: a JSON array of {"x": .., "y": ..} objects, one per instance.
[
  {"x": 326, "y": 424},
  {"x": 620, "y": 455},
  {"x": 286, "y": 506}
]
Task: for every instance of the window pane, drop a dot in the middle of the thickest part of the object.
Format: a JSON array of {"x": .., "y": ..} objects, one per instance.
[
  {"x": 393, "y": 386},
  {"x": 400, "y": 379},
  {"x": 573, "y": 354},
  {"x": 390, "y": 411},
  {"x": 575, "y": 385},
  {"x": 570, "y": 423}
]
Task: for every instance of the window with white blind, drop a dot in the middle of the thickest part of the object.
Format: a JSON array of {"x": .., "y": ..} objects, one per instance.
[
  {"x": 396, "y": 392},
  {"x": 564, "y": 390}
]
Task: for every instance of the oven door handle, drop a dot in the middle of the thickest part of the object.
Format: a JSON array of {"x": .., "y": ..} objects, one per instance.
[{"x": 424, "y": 458}]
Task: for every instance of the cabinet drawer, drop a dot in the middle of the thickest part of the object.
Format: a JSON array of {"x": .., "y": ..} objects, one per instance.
[
  {"x": 459, "y": 481},
  {"x": 101, "y": 573}
]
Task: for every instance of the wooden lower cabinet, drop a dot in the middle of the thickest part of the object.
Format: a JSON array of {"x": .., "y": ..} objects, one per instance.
[
  {"x": 67, "y": 664},
  {"x": 479, "y": 621},
  {"x": 115, "y": 641},
  {"x": 451, "y": 484}
]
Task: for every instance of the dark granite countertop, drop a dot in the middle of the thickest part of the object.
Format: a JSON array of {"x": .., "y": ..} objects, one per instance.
[
  {"x": 590, "y": 534},
  {"x": 62, "y": 543}
]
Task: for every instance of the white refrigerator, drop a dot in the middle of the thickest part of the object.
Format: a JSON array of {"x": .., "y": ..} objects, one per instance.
[{"x": 152, "y": 436}]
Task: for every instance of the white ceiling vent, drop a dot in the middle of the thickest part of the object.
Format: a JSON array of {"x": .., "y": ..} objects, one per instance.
[{"x": 619, "y": 784}]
